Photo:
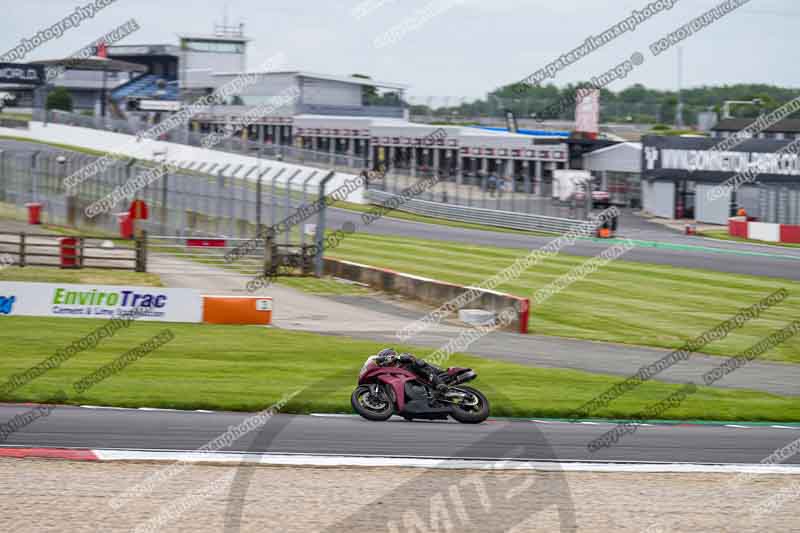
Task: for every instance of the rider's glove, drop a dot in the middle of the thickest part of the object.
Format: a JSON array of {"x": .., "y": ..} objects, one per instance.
[{"x": 405, "y": 358}]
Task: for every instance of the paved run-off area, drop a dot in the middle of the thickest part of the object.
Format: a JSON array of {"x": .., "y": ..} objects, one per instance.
[{"x": 46, "y": 495}]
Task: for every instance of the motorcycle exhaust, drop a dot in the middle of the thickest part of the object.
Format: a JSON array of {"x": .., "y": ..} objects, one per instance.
[{"x": 462, "y": 378}]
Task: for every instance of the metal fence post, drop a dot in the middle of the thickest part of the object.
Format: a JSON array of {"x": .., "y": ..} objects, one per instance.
[
  {"x": 260, "y": 200},
  {"x": 289, "y": 202},
  {"x": 3, "y": 184},
  {"x": 141, "y": 252},
  {"x": 320, "y": 236},
  {"x": 269, "y": 252},
  {"x": 34, "y": 176},
  {"x": 219, "y": 197},
  {"x": 588, "y": 199},
  {"x": 164, "y": 200},
  {"x": 305, "y": 202},
  {"x": 22, "y": 249},
  {"x": 274, "y": 198}
]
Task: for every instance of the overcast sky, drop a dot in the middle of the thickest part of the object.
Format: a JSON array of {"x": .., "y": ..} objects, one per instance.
[{"x": 470, "y": 48}]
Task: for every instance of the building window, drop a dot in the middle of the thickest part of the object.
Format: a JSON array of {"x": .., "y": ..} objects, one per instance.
[{"x": 214, "y": 46}]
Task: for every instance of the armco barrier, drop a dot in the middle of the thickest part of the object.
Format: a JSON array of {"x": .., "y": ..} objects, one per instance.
[
  {"x": 245, "y": 310},
  {"x": 478, "y": 215},
  {"x": 745, "y": 228},
  {"x": 429, "y": 290}
]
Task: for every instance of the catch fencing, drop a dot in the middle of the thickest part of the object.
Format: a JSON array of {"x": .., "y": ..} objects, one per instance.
[
  {"x": 506, "y": 190},
  {"x": 180, "y": 203}
]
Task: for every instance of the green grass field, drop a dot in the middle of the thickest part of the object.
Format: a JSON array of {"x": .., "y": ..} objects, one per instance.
[
  {"x": 249, "y": 368},
  {"x": 624, "y": 302}
]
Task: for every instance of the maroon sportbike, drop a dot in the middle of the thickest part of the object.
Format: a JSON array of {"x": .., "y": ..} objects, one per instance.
[{"x": 387, "y": 386}]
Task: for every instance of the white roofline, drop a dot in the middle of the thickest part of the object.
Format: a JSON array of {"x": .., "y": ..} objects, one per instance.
[
  {"x": 635, "y": 145},
  {"x": 314, "y": 75},
  {"x": 212, "y": 37}
]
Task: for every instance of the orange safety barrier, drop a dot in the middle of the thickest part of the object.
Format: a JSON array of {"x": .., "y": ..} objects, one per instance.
[{"x": 255, "y": 310}]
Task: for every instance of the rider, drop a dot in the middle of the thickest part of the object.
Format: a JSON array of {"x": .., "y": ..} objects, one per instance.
[{"x": 415, "y": 365}]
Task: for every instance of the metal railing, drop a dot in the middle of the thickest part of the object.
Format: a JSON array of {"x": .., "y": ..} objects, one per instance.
[
  {"x": 478, "y": 215},
  {"x": 198, "y": 253},
  {"x": 520, "y": 194}
]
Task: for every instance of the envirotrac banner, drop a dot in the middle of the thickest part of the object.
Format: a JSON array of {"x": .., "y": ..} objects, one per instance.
[{"x": 99, "y": 301}]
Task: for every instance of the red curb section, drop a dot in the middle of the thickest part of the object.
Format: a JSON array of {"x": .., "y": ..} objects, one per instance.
[
  {"x": 740, "y": 227},
  {"x": 49, "y": 453}
]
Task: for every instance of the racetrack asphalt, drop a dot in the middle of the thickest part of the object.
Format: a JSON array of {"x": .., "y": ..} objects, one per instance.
[{"x": 77, "y": 427}]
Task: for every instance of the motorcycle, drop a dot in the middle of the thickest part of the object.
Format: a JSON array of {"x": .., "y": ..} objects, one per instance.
[{"x": 385, "y": 388}]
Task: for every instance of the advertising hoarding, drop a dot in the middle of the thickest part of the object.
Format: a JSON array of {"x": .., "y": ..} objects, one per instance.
[{"x": 99, "y": 301}]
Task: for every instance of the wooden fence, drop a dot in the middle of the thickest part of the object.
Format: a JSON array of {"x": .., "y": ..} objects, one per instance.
[{"x": 73, "y": 251}]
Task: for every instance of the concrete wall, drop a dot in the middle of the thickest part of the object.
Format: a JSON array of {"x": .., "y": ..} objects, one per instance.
[
  {"x": 179, "y": 154},
  {"x": 749, "y": 198},
  {"x": 331, "y": 92},
  {"x": 262, "y": 91},
  {"x": 762, "y": 231},
  {"x": 428, "y": 290},
  {"x": 711, "y": 212},
  {"x": 210, "y": 61},
  {"x": 659, "y": 198},
  {"x": 624, "y": 157},
  {"x": 648, "y": 195}
]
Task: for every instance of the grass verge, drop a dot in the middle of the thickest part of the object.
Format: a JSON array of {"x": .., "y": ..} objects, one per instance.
[
  {"x": 722, "y": 235},
  {"x": 250, "y": 368},
  {"x": 69, "y": 147},
  {"x": 85, "y": 276},
  {"x": 623, "y": 302}
]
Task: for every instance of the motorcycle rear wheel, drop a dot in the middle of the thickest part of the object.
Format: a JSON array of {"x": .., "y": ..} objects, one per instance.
[
  {"x": 374, "y": 413},
  {"x": 474, "y": 414}
]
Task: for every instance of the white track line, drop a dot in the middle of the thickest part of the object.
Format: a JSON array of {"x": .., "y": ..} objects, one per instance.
[{"x": 421, "y": 462}]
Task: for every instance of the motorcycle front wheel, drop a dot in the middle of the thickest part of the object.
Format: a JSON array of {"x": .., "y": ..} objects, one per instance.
[
  {"x": 473, "y": 412},
  {"x": 372, "y": 407}
]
